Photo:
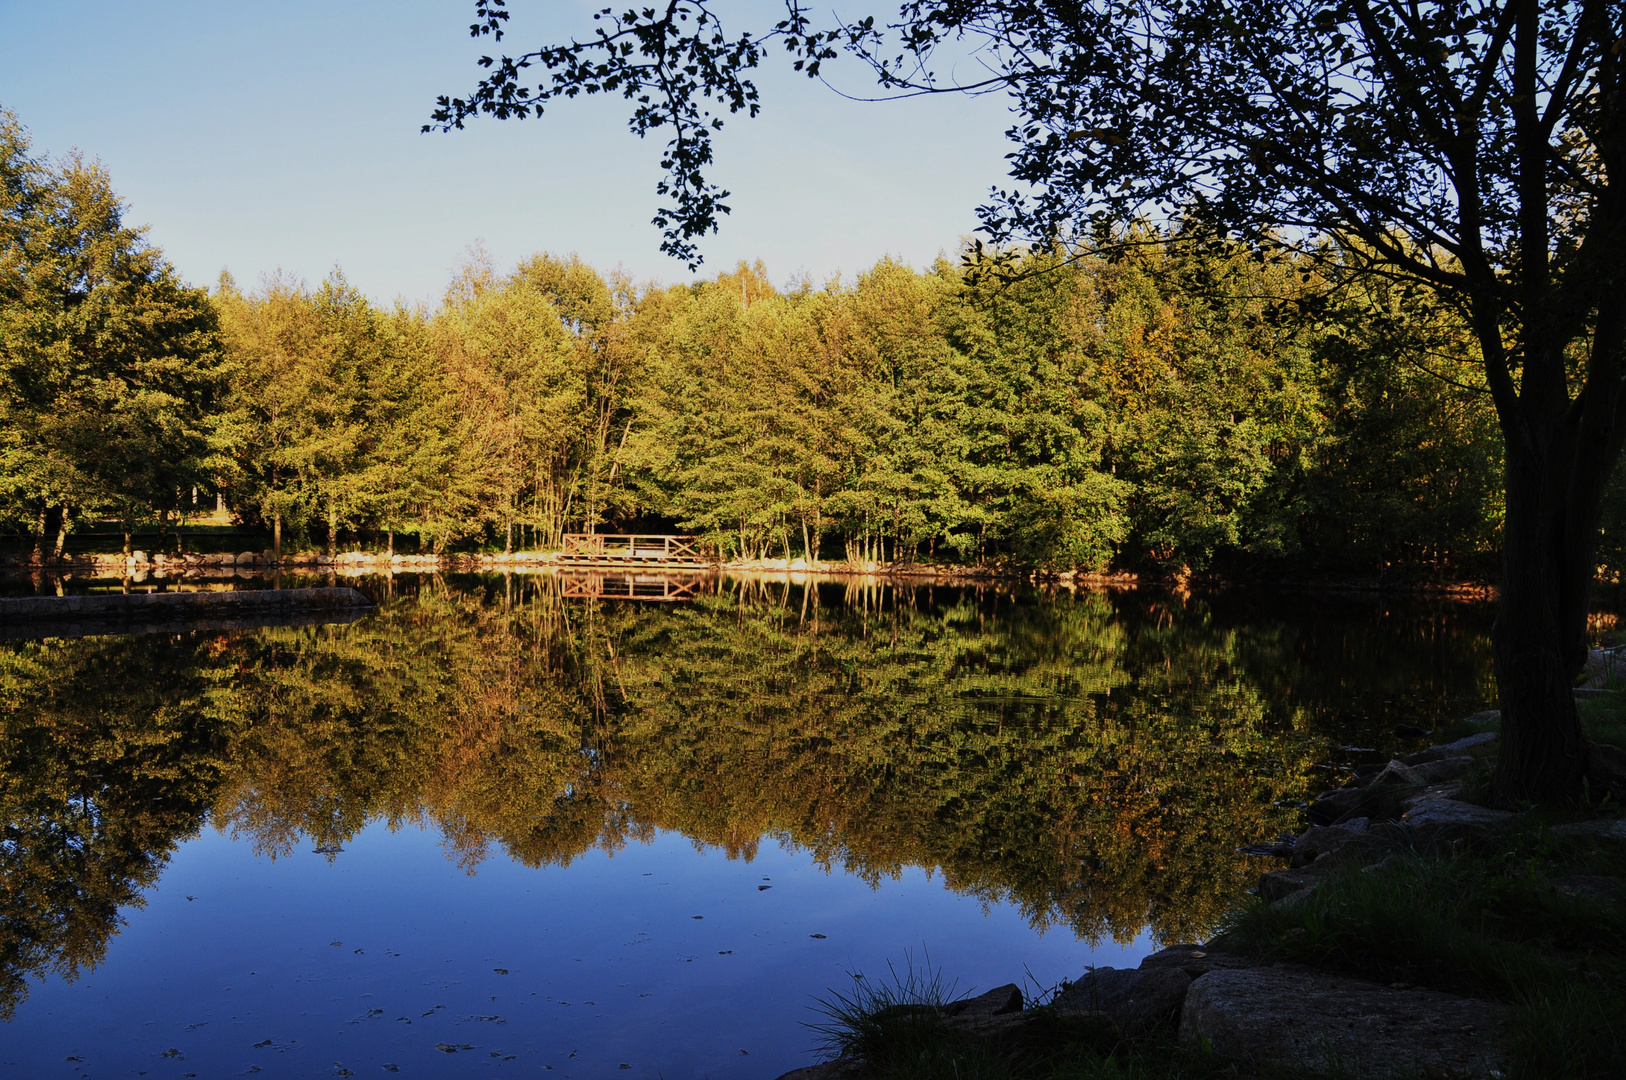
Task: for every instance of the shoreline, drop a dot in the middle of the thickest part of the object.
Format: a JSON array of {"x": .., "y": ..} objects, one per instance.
[{"x": 360, "y": 563}]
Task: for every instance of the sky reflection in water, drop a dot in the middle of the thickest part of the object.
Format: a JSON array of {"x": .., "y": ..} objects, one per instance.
[
  {"x": 942, "y": 772},
  {"x": 392, "y": 951}
]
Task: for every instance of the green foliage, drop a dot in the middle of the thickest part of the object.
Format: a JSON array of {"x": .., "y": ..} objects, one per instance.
[{"x": 112, "y": 375}]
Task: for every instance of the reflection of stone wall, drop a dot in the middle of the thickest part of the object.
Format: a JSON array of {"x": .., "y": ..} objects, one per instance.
[{"x": 193, "y": 610}]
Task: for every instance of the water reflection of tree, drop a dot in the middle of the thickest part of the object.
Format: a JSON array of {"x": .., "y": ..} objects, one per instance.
[
  {"x": 1094, "y": 762},
  {"x": 113, "y": 751}
]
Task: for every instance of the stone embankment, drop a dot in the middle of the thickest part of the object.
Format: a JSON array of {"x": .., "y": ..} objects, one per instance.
[{"x": 1277, "y": 1015}]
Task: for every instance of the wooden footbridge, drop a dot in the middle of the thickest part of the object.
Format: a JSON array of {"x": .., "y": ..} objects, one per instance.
[
  {"x": 606, "y": 566},
  {"x": 602, "y": 550},
  {"x": 657, "y": 588}
]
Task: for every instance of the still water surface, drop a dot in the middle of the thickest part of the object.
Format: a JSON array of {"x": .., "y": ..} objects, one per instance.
[{"x": 492, "y": 829}]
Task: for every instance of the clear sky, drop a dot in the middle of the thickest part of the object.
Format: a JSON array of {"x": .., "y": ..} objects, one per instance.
[{"x": 258, "y": 137}]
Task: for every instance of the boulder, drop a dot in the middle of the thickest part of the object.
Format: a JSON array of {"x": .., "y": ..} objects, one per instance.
[
  {"x": 1603, "y": 667},
  {"x": 1435, "y": 824},
  {"x": 1606, "y": 769},
  {"x": 1446, "y": 768},
  {"x": 138, "y": 557},
  {"x": 1609, "y": 829},
  {"x": 1280, "y": 884},
  {"x": 1138, "y": 1000},
  {"x": 1195, "y": 960},
  {"x": 1428, "y": 794},
  {"x": 1472, "y": 743},
  {"x": 996, "y": 1002},
  {"x": 1397, "y": 774},
  {"x": 1334, "y": 806},
  {"x": 1294, "y": 899},
  {"x": 1358, "y": 850},
  {"x": 247, "y": 558},
  {"x": 1592, "y": 887},
  {"x": 1283, "y": 1017},
  {"x": 1484, "y": 719},
  {"x": 1318, "y": 841}
]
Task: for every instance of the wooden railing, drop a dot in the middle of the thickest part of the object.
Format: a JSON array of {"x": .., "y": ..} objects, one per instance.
[
  {"x": 632, "y": 548},
  {"x": 659, "y": 588}
]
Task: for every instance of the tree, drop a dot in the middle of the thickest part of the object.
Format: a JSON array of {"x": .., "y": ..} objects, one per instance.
[
  {"x": 1467, "y": 148},
  {"x": 111, "y": 368}
]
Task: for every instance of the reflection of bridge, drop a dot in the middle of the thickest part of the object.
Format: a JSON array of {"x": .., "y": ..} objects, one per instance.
[
  {"x": 660, "y": 588},
  {"x": 612, "y": 549}
]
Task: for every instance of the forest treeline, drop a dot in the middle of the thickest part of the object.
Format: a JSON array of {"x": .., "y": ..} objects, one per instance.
[{"x": 1178, "y": 403}]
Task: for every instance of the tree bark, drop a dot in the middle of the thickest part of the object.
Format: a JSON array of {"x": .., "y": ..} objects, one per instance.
[
  {"x": 61, "y": 534},
  {"x": 276, "y": 537},
  {"x": 52, "y": 524},
  {"x": 1540, "y": 638},
  {"x": 332, "y": 533}
]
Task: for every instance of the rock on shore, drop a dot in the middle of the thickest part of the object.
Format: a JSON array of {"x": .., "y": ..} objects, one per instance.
[{"x": 1327, "y": 1023}]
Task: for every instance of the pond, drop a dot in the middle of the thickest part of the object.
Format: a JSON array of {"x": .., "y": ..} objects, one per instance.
[{"x": 496, "y": 826}]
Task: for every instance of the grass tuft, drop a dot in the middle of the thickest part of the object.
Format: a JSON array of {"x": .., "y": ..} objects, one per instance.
[{"x": 881, "y": 1017}]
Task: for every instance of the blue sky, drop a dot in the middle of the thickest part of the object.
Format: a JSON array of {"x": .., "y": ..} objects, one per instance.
[{"x": 258, "y": 137}]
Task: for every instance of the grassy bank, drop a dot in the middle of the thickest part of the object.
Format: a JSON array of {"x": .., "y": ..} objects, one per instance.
[{"x": 1525, "y": 917}]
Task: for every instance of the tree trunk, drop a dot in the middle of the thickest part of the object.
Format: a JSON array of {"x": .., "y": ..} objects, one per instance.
[
  {"x": 52, "y": 523},
  {"x": 389, "y": 544},
  {"x": 1548, "y": 547},
  {"x": 61, "y": 534},
  {"x": 332, "y": 533},
  {"x": 129, "y": 528},
  {"x": 276, "y": 537},
  {"x": 39, "y": 533}
]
